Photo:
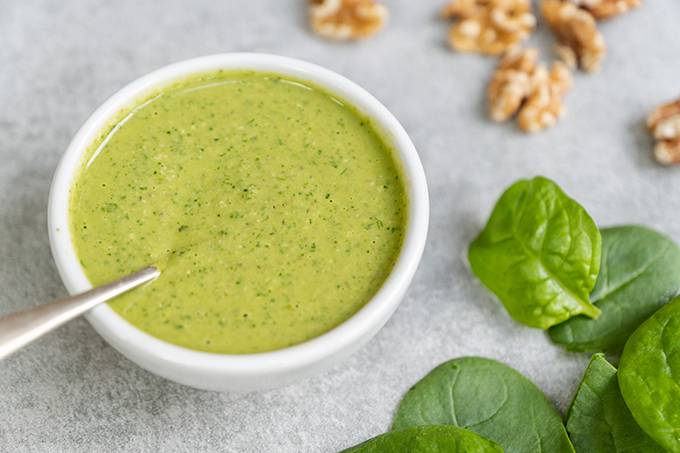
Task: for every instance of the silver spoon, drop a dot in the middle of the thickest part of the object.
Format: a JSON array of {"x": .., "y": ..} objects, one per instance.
[{"x": 20, "y": 328}]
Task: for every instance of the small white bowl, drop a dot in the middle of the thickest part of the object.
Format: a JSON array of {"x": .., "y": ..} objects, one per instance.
[{"x": 247, "y": 371}]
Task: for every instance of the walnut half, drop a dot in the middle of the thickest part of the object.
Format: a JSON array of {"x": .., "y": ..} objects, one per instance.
[
  {"x": 521, "y": 85},
  {"x": 511, "y": 83},
  {"x": 580, "y": 42},
  {"x": 489, "y": 26},
  {"x": 544, "y": 106},
  {"x": 347, "y": 19},
  {"x": 664, "y": 122}
]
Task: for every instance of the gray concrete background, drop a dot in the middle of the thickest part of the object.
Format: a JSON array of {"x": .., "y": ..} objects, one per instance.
[{"x": 60, "y": 60}]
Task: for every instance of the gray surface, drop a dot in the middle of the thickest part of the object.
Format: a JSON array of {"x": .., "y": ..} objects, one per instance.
[{"x": 60, "y": 60}]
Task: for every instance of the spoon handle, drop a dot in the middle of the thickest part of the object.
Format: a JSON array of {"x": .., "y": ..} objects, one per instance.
[{"x": 20, "y": 328}]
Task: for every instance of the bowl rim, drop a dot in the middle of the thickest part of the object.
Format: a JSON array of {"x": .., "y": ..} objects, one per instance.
[{"x": 377, "y": 310}]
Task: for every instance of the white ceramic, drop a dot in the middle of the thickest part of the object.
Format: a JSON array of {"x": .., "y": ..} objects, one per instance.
[{"x": 250, "y": 371}]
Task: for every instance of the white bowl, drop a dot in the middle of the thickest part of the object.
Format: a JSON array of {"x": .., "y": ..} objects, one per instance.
[{"x": 243, "y": 371}]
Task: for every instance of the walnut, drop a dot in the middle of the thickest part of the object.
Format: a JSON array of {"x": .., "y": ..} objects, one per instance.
[
  {"x": 605, "y": 9},
  {"x": 664, "y": 122},
  {"x": 667, "y": 152},
  {"x": 520, "y": 84},
  {"x": 489, "y": 26},
  {"x": 544, "y": 105},
  {"x": 347, "y": 19},
  {"x": 511, "y": 83},
  {"x": 576, "y": 30},
  {"x": 567, "y": 55}
]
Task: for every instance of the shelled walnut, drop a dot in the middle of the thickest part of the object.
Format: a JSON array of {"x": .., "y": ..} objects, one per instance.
[
  {"x": 667, "y": 152},
  {"x": 605, "y": 9},
  {"x": 520, "y": 84},
  {"x": 347, "y": 19},
  {"x": 664, "y": 122},
  {"x": 511, "y": 83},
  {"x": 544, "y": 105},
  {"x": 489, "y": 26},
  {"x": 579, "y": 40}
]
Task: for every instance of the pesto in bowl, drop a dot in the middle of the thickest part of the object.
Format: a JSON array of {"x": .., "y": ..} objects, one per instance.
[{"x": 274, "y": 209}]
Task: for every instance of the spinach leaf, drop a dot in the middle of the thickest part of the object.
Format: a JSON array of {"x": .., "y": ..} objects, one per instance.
[
  {"x": 599, "y": 421},
  {"x": 427, "y": 439},
  {"x": 640, "y": 272},
  {"x": 649, "y": 376},
  {"x": 539, "y": 253},
  {"x": 489, "y": 398}
]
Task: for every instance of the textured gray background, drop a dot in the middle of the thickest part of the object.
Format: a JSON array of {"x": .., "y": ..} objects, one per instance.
[{"x": 60, "y": 60}]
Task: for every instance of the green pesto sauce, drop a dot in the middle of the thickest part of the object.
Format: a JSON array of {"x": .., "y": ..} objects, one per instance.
[{"x": 274, "y": 210}]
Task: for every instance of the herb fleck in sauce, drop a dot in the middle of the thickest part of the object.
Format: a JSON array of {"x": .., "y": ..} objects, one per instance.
[{"x": 275, "y": 211}]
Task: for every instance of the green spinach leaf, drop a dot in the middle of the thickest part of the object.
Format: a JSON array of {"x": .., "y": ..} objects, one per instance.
[
  {"x": 489, "y": 398},
  {"x": 539, "y": 253},
  {"x": 427, "y": 439},
  {"x": 649, "y": 376},
  {"x": 599, "y": 421},
  {"x": 640, "y": 272}
]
